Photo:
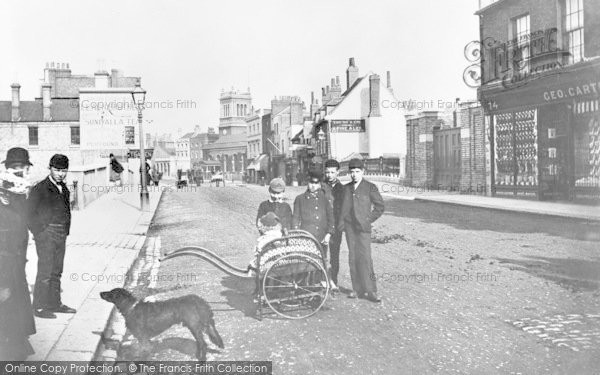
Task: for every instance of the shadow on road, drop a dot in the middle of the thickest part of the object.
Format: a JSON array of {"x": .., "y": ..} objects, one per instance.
[
  {"x": 473, "y": 218},
  {"x": 239, "y": 295},
  {"x": 573, "y": 274}
]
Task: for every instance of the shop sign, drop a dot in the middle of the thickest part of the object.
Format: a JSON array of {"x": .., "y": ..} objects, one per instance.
[
  {"x": 347, "y": 126},
  {"x": 135, "y": 153}
]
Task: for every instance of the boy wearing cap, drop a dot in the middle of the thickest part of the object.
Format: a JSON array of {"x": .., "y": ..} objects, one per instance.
[
  {"x": 276, "y": 204},
  {"x": 16, "y": 314},
  {"x": 362, "y": 205},
  {"x": 336, "y": 188},
  {"x": 49, "y": 216},
  {"x": 313, "y": 210}
]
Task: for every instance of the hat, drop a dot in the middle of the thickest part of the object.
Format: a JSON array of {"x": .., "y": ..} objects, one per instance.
[
  {"x": 277, "y": 185},
  {"x": 59, "y": 161},
  {"x": 269, "y": 219},
  {"x": 315, "y": 174},
  {"x": 332, "y": 163},
  {"x": 356, "y": 163},
  {"x": 17, "y": 155}
]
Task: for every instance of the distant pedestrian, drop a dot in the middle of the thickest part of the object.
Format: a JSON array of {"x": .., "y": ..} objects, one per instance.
[
  {"x": 276, "y": 204},
  {"x": 49, "y": 216},
  {"x": 362, "y": 205},
  {"x": 16, "y": 313},
  {"x": 336, "y": 189},
  {"x": 115, "y": 170}
]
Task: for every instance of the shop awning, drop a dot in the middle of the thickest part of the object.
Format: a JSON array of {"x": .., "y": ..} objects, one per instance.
[{"x": 260, "y": 163}]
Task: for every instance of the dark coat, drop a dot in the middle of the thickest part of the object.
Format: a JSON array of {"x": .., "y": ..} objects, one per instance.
[
  {"x": 44, "y": 198},
  {"x": 362, "y": 207},
  {"x": 282, "y": 210},
  {"x": 16, "y": 313},
  {"x": 337, "y": 194},
  {"x": 314, "y": 213}
]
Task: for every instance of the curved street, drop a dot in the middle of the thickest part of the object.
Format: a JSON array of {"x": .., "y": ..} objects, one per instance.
[{"x": 464, "y": 290}]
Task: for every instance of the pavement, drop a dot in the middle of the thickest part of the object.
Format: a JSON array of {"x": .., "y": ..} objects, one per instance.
[
  {"x": 391, "y": 189},
  {"x": 105, "y": 239}
]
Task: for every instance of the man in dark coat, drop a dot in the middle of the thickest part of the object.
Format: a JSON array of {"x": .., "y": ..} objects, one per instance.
[
  {"x": 362, "y": 205},
  {"x": 313, "y": 210},
  {"x": 49, "y": 216},
  {"x": 336, "y": 189},
  {"x": 16, "y": 313},
  {"x": 276, "y": 204}
]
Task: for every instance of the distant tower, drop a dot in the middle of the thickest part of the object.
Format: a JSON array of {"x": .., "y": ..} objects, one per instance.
[{"x": 235, "y": 107}]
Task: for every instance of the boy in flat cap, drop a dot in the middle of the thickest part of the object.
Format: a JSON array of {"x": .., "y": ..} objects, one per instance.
[
  {"x": 362, "y": 205},
  {"x": 276, "y": 204},
  {"x": 49, "y": 216}
]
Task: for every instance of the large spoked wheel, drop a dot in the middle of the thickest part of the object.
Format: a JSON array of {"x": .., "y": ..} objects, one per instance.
[{"x": 295, "y": 286}]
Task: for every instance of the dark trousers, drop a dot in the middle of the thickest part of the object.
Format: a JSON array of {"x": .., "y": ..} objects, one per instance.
[
  {"x": 361, "y": 263},
  {"x": 50, "y": 247},
  {"x": 334, "y": 255}
]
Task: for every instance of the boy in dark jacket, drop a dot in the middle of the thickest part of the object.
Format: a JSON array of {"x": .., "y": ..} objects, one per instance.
[{"x": 276, "y": 204}]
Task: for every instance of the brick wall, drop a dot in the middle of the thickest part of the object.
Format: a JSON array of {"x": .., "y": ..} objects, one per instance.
[
  {"x": 419, "y": 164},
  {"x": 472, "y": 150}
]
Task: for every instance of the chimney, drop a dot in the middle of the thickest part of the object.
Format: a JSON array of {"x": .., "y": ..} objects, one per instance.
[
  {"x": 351, "y": 73},
  {"x": 16, "y": 102},
  {"x": 389, "y": 81},
  {"x": 374, "y": 83},
  {"x": 337, "y": 81},
  {"x": 115, "y": 76},
  {"x": 101, "y": 80},
  {"x": 46, "y": 102},
  {"x": 196, "y": 129}
]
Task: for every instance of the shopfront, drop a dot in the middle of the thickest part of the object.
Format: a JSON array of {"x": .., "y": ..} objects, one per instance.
[{"x": 545, "y": 135}]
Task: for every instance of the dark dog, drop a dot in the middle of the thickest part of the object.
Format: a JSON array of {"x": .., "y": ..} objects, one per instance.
[{"x": 147, "y": 319}]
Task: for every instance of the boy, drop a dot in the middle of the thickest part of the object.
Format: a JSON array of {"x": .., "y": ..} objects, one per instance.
[{"x": 276, "y": 204}]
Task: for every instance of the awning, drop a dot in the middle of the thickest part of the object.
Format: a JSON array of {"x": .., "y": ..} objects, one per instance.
[{"x": 260, "y": 163}]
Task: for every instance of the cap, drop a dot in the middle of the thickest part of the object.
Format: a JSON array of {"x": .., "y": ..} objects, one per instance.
[
  {"x": 17, "y": 155},
  {"x": 314, "y": 175},
  {"x": 356, "y": 163},
  {"x": 59, "y": 161},
  {"x": 332, "y": 163},
  {"x": 277, "y": 185},
  {"x": 269, "y": 219}
]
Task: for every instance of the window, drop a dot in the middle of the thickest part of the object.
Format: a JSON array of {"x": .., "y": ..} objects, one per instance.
[
  {"x": 33, "y": 135},
  {"x": 574, "y": 29},
  {"x": 75, "y": 140},
  {"x": 521, "y": 32}
]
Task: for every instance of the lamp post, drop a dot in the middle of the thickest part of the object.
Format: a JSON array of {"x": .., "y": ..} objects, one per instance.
[{"x": 139, "y": 97}]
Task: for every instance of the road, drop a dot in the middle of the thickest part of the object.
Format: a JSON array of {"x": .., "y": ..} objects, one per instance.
[{"x": 465, "y": 290}]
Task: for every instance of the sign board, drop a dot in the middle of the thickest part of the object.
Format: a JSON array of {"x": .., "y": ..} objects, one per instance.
[
  {"x": 347, "y": 126},
  {"x": 135, "y": 154},
  {"x": 107, "y": 120}
]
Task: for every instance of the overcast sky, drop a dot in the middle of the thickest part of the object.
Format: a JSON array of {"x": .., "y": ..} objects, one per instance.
[{"x": 190, "y": 50}]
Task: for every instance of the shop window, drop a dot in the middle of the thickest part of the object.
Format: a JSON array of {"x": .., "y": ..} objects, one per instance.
[
  {"x": 33, "y": 135},
  {"x": 75, "y": 139},
  {"x": 574, "y": 29}
]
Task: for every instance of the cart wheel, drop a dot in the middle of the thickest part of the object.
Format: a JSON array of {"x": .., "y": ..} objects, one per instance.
[{"x": 295, "y": 286}]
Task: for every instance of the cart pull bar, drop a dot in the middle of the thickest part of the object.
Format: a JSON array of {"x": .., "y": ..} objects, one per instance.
[{"x": 210, "y": 257}]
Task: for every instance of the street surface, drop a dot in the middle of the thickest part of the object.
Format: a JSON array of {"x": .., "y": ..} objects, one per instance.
[{"x": 465, "y": 290}]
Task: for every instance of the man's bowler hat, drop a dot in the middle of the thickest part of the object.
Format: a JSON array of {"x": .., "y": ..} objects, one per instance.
[
  {"x": 17, "y": 155},
  {"x": 59, "y": 161},
  {"x": 356, "y": 163}
]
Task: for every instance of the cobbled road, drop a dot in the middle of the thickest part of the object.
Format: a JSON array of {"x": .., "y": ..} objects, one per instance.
[{"x": 465, "y": 290}]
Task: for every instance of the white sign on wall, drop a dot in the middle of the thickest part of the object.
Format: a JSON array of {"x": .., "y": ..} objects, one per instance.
[{"x": 107, "y": 120}]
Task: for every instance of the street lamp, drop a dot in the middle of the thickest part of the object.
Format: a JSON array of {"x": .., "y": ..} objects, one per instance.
[{"x": 139, "y": 97}]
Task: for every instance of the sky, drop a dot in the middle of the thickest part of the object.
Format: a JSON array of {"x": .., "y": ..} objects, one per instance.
[{"x": 188, "y": 51}]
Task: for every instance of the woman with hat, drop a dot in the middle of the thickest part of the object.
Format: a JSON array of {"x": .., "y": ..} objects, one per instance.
[{"x": 16, "y": 313}]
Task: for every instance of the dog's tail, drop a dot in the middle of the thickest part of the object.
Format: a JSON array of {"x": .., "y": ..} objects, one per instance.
[{"x": 213, "y": 335}]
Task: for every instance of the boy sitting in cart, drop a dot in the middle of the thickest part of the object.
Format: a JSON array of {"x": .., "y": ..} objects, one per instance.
[{"x": 270, "y": 228}]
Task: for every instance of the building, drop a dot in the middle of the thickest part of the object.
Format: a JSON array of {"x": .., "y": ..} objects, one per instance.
[
  {"x": 258, "y": 159},
  {"x": 183, "y": 158},
  {"x": 287, "y": 119},
  {"x": 230, "y": 149},
  {"x": 364, "y": 119},
  {"x": 540, "y": 89},
  {"x": 447, "y": 152},
  {"x": 83, "y": 117},
  {"x": 197, "y": 141}
]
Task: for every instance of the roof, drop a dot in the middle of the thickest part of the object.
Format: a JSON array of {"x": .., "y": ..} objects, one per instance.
[
  {"x": 227, "y": 141},
  {"x": 298, "y": 135},
  {"x": 487, "y": 7},
  {"x": 358, "y": 80},
  {"x": 187, "y": 135},
  {"x": 286, "y": 109},
  {"x": 161, "y": 152},
  {"x": 32, "y": 110}
]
